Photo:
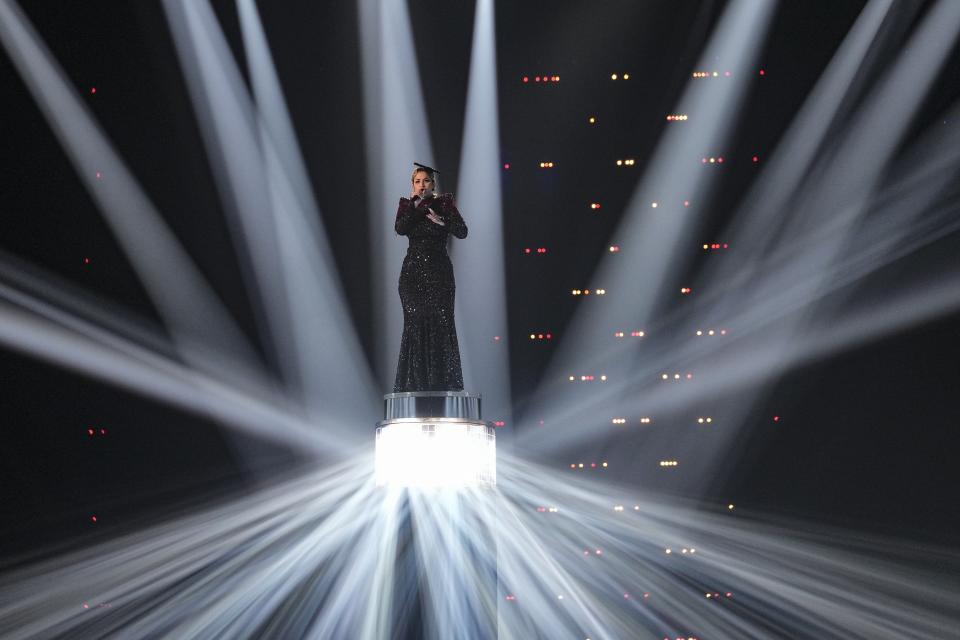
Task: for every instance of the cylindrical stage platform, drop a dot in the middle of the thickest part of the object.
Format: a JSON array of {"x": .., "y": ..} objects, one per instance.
[{"x": 436, "y": 450}]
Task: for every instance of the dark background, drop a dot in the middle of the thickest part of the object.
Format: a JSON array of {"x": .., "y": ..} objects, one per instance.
[{"x": 866, "y": 439}]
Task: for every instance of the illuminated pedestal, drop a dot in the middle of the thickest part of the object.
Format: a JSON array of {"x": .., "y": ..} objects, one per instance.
[
  {"x": 435, "y": 439},
  {"x": 435, "y": 448}
]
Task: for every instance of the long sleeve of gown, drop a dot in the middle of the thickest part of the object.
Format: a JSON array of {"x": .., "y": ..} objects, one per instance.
[
  {"x": 451, "y": 216},
  {"x": 408, "y": 215}
]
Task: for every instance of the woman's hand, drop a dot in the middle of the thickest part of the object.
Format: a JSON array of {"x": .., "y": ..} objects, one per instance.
[
  {"x": 434, "y": 218},
  {"x": 415, "y": 192}
]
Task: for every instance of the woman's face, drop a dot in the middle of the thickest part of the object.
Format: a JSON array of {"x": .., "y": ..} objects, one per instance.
[{"x": 422, "y": 184}]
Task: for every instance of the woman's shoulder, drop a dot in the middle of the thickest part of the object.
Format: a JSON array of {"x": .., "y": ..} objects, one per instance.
[{"x": 446, "y": 198}]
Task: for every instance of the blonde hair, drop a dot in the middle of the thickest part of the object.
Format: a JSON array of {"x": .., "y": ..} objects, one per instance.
[{"x": 430, "y": 174}]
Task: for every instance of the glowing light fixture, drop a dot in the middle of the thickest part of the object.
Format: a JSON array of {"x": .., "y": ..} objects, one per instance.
[{"x": 437, "y": 453}]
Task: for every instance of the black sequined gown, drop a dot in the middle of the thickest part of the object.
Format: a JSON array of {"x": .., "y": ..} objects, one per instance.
[{"x": 429, "y": 352}]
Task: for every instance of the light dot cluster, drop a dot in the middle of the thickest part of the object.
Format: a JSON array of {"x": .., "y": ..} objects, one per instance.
[
  {"x": 676, "y": 376},
  {"x": 626, "y": 162},
  {"x": 711, "y": 332},
  {"x": 711, "y": 74},
  {"x": 676, "y": 117},
  {"x": 586, "y": 292}
]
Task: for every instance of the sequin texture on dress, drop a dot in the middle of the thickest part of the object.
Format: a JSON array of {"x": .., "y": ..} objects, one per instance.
[{"x": 429, "y": 351}]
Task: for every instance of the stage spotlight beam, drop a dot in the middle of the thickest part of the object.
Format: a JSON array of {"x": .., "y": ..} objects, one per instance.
[
  {"x": 481, "y": 282},
  {"x": 262, "y": 184},
  {"x": 637, "y": 280},
  {"x": 205, "y": 334},
  {"x": 331, "y": 363},
  {"x": 396, "y": 134}
]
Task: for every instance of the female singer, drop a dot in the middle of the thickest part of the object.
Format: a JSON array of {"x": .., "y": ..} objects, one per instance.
[{"x": 429, "y": 352}]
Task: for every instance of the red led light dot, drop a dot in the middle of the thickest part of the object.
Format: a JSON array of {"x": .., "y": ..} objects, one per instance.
[
  {"x": 93, "y": 518},
  {"x": 99, "y": 175},
  {"x": 776, "y": 418},
  {"x": 506, "y": 165},
  {"x": 496, "y": 338},
  {"x": 686, "y": 203},
  {"x": 526, "y": 79},
  {"x": 93, "y": 90},
  {"x": 762, "y": 72},
  {"x": 537, "y": 79},
  {"x": 756, "y": 158},
  {"x": 86, "y": 261}
]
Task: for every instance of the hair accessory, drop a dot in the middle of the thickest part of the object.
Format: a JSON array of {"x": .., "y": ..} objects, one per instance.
[{"x": 429, "y": 170}]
